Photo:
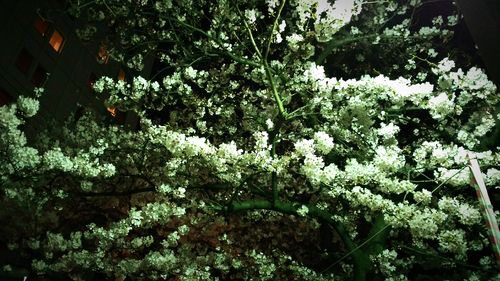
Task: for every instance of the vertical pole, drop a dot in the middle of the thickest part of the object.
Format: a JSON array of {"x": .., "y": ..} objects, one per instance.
[{"x": 484, "y": 199}]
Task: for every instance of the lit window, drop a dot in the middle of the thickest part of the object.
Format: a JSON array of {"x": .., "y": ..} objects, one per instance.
[
  {"x": 102, "y": 54},
  {"x": 118, "y": 115},
  {"x": 41, "y": 26},
  {"x": 24, "y": 61},
  {"x": 56, "y": 41},
  {"x": 112, "y": 111},
  {"x": 39, "y": 76},
  {"x": 121, "y": 75}
]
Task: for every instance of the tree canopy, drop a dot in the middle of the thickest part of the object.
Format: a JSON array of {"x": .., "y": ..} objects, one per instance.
[{"x": 278, "y": 140}]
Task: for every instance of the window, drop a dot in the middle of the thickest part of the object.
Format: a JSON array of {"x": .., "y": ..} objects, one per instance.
[
  {"x": 41, "y": 26},
  {"x": 91, "y": 81},
  {"x": 102, "y": 53},
  {"x": 121, "y": 75},
  {"x": 56, "y": 41},
  {"x": 118, "y": 116},
  {"x": 5, "y": 98},
  {"x": 39, "y": 76},
  {"x": 112, "y": 111},
  {"x": 24, "y": 61}
]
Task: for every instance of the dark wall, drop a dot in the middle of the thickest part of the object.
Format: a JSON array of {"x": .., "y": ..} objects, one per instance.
[
  {"x": 483, "y": 21},
  {"x": 28, "y": 59}
]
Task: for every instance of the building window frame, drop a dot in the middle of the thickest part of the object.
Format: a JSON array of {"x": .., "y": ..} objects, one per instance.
[
  {"x": 52, "y": 35},
  {"x": 91, "y": 81},
  {"x": 102, "y": 53},
  {"x": 24, "y": 62},
  {"x": 41, "y": 26},
  {"x": 39, "y": 76},
  {"x": 122, "y": 76},
  {"x": 56, "y": 41}
]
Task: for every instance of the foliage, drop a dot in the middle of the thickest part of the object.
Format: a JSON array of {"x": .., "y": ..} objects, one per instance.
[{"x": 270, "y": 148}]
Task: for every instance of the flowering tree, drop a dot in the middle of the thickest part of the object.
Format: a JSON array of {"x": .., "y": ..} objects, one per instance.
[{"x": 270, "y": 147}]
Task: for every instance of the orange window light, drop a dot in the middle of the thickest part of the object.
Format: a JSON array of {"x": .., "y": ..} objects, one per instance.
[
  {"x": 112, "y": 110},
  {"x": 121, "y": 75},
  {"x": 56, "y": 41},
  {"x": 103, "y": 54}
]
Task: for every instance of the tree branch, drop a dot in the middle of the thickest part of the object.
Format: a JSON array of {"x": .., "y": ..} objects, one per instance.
[{"x": 361, "y": 260}]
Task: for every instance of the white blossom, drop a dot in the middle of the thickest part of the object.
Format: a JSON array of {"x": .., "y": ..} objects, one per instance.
[
  {"x": 28, "y": 106},
  {"x": 388, "y": 130},
  {"x": 440, "y": 106},
  {"x": 304, "y": 147},
  {"x": 323, "y": 142},
  {"x": 303, "y": 210}
]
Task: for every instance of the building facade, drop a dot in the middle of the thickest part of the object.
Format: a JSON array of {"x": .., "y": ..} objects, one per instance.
[{"x": 40, "y": 48}]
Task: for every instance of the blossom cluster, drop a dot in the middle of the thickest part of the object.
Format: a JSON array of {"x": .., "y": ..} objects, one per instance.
[{"x": 250, "y": 116}]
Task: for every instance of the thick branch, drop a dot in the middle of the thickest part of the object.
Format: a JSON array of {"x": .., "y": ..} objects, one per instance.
[
  {"x": 360, "y": 259},
  {"x": 114, "y": 193},
  {"x": 334, "y": 43}
]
